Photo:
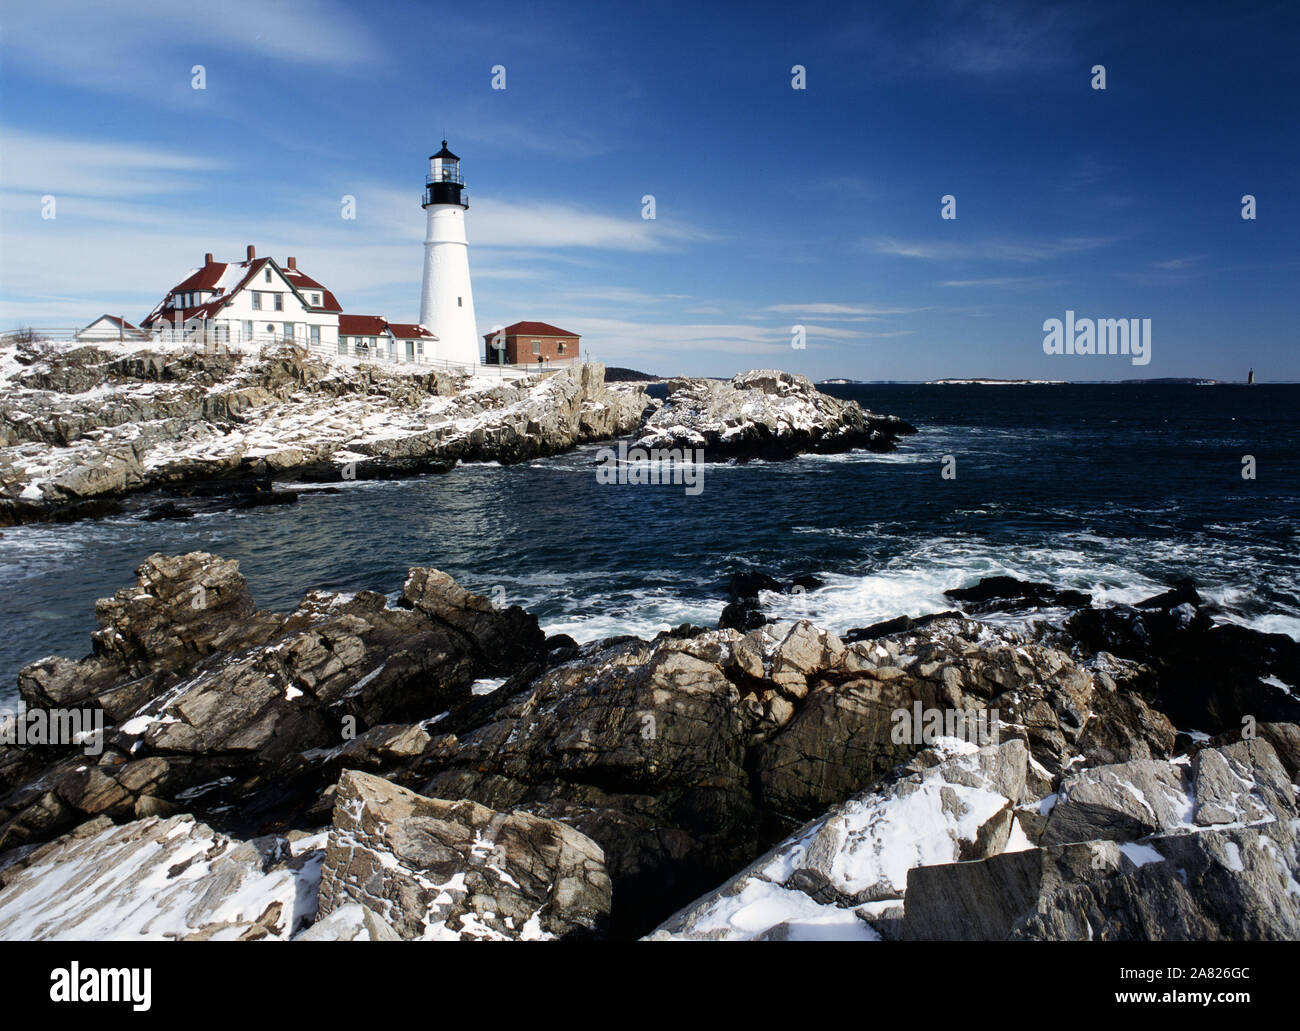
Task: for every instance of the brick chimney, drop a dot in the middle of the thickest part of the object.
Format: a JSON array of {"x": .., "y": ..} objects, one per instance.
[
  {"x": 252, "y": 252},
  {"x": 293, "y": 262},
  {"x": 207, "y": 259}
]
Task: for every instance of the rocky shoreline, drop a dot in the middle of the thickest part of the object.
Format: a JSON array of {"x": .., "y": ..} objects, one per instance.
[
  {"x": 83, "y": 428},
  {"x": 764, "y": 414},
  {"x": 433, "y": 767},
  {"x": 80, "y": 428}
]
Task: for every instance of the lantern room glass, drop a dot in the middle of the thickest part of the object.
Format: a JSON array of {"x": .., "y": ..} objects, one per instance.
[{"x": 443, "y": 170}]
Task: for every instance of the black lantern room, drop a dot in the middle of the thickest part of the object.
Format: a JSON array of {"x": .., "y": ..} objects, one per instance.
[{"x": 443, "y": 185}]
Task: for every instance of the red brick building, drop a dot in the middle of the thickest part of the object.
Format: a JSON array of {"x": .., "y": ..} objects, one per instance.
[{"x": 525, "y": 342}]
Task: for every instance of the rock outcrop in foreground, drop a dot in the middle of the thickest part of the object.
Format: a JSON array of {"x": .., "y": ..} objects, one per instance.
[
  {"x": 80, "y": 427},
  {"x": 431, "y": 767},
  {"x": 763, "y": 414},
  {"x": 435, "y": 869}
]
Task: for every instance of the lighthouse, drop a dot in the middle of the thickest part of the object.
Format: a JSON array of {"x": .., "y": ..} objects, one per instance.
[{"x": 446, "y": 302}]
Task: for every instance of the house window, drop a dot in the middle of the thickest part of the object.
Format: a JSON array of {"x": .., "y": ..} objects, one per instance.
[
  {"x": 537, "y": 347},
  {"x": 315, "y": 336},
  {"x": 561, "y": 347},
  {"x": 279, "y": 301},
  {"x": 257, "y": 301},
  {"x": 315, "y": 300},
  {"x": 248, "y": 330},
  {"x": 268, "y": 275},
  {"x": 288, "y": 330},
  {"x": 460, "y": 302},
  {"x": 270, "y": 329},
  {"x": 343, "y": 345}
]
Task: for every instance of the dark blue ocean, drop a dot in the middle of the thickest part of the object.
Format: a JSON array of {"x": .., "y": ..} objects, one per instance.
[{"x": 1113, "y": 489}]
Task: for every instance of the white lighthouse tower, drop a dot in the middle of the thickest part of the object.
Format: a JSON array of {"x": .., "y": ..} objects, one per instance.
[{"x": 446, "y": 302}]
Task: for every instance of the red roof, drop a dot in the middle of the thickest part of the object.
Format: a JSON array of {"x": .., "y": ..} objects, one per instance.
[
  {"x": 207, "y": 278},
  {"x": 362, "y": 325},
  {"x": 536, "y": 329},
  {"x": 177, "y": 315},
  {"x": 118, "y": 321},
  {"x": 304, "y": 282},
  {"x": 410, "y": 331}
]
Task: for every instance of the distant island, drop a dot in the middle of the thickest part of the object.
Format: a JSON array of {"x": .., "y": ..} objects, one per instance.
[{"x": 994, "y": 382}]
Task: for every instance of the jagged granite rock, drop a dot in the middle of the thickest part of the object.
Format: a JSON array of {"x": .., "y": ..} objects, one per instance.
[
  {"x": 212, "y": 702},
  {"x": 158, "y": 879},
  {"x": 683, "y": 758},
  {"x": 437, "y": 870},
  {"x": 1038, "y": 692},
  {"x": 1120, "y": 802},
  {"x": 1139, "y": 851},
  {"x": 834, "y": 875},
  {"x": 504, "y": 640},
  {"x": 350, "y": 923},
  {"x": 1236, "y": 885},
  {"x": 80, "y": 427},
  {"x": 1243, "y": 782},
  {"x": 763, "y": 414}
]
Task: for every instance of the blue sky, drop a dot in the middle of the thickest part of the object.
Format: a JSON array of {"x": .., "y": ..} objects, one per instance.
[{"x": 775, "y": 206}]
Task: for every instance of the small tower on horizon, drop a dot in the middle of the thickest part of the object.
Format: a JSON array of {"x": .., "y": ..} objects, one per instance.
[
  {"x": 446, "y": 300},
  {"x": 1250, "y": 378}
]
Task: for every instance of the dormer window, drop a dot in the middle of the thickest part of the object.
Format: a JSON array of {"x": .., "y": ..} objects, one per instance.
[{"x": 315, "y": 300}]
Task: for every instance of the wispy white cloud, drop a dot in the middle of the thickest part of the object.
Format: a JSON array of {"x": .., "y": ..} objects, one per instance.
[
  {"x": 1179, "y": 264},
  {"x": 1005, "y": 282},
  {"x": 1016, "y": 251},
  {"x": 1168, "y": 271},
  {"x": 622, "y": 295},
  {"x": 829, "y": 309},
  {"x": 510, "y": 136},
  {"x": 131, "y": 46},
  {"x": 527, "y": 225},
  {"x": 499, "y": 223},
  {"x": 629, "y": 339},
  {"x": 44, "y": 163}
]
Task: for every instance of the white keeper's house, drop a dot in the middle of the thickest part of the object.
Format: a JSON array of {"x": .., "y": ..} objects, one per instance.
[{"x": 257, "y": 301}]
